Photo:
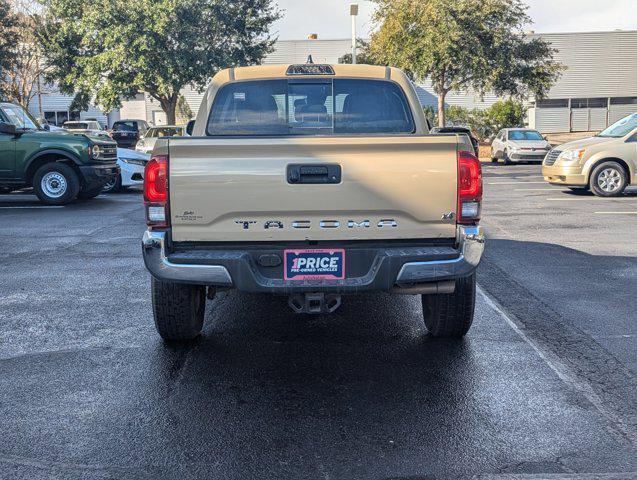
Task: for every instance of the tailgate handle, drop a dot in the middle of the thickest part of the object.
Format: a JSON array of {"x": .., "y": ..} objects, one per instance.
[{"x": 314, "y": 173}]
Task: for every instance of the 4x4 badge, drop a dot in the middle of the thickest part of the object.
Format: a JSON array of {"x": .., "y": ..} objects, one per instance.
[{"x": 246, "y": 223}]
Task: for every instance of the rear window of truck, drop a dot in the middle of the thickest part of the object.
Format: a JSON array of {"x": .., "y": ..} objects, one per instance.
[{"x": 309, "y": 107}]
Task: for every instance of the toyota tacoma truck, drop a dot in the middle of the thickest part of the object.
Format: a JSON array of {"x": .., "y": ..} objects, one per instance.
[
  {"x": 60, "y": 167},
  {"x": 312, "y": 182}
]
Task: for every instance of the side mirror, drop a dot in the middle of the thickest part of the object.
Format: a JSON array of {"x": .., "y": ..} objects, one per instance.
[
  {"x": 46, "y": 127},
  {"x": 190, "y": 127},
  {"x": 8, "y": 128}
]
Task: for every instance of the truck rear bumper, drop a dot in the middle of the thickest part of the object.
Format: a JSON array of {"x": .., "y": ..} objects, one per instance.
[{"x": 386, "y": 268}]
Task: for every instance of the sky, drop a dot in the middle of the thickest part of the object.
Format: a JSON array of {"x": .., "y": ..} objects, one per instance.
[{"x": 330, "y": 18}]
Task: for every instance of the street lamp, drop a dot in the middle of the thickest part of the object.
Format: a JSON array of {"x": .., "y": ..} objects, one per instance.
[{"x": 353, "y": 11}]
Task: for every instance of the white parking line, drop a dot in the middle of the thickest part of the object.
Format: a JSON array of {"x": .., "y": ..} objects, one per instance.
[
  {"x": 568, "y": 199},
  {"x": 558, "y": 367},
  {"x": 615, "y": 201},
  {"x": 618, "y": 213},
  {"x": 534, "y": 190},
  {"x": 510, "y": 183},
  {"x": 35, "y": 206}
]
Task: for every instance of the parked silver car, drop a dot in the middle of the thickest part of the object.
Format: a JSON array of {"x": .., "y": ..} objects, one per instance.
[
  {"x": 88, "y": 127},
  {"x": 519, "y": 145}
]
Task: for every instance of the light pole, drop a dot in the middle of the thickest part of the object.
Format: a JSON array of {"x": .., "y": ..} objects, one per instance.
[{"x": 353, "y": 11}]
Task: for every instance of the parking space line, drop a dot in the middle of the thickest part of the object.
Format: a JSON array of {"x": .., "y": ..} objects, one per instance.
[
  {"x": 510, "y": 183},
  {"x": 616, "y": 201},
  {"x": 562, "y": 371},
  {"x": 534, "y": 190},
  {"x": 34, "y": 206},
  {"x": 618, "y": 213}
]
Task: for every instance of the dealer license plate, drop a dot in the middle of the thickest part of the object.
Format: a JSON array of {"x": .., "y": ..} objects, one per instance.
[{"x": 314, "y": 264}]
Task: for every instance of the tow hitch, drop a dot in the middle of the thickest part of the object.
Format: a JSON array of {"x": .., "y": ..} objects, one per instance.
[{"x": 314, "y": 302}]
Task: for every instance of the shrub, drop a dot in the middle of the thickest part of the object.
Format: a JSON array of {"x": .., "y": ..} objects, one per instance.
[{"x": 484, "y": 124}]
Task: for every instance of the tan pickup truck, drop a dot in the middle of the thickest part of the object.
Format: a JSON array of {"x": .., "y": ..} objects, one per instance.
[{"x": 313, "y": 182}]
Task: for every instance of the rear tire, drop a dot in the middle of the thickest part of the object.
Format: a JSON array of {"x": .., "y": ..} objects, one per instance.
[
  {"x": 494, "y": 159},
  {"x": 178, "y": 309},
  {"x": 450, "y": 315},
  {"x": 56, "y": 183},
  {"x": 507, "y": 160},
  {"x": 608, "y": 179}
]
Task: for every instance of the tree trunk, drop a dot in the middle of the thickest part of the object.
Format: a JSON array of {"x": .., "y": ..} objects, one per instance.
[
  {"x": 441, "y": 108},
  {"x": 169, "y": 106}
]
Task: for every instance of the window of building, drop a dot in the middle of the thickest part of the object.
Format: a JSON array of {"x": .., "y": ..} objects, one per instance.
[
  {"x": 579, "y": 103},
  {"x": 552, "y": 103},
  {"x": 59, "y": 117},
  {"x": 50, "y": 118},
  {"x": 597, "y": 102},
  {"x": 623, "y": 101},
  {"x": 589, "y": 102}
]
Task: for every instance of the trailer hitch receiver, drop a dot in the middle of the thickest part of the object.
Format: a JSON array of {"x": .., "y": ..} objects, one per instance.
[{"x": 315, "y": 303}]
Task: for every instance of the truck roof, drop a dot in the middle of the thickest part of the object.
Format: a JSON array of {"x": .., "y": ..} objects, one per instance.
[{"x": 278, "y": 71}]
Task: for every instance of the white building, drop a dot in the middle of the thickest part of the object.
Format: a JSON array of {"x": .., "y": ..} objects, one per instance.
[{"x": 598, "y": 86}]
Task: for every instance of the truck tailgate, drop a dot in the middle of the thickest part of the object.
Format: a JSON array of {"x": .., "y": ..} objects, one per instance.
[{"x": 238, "y": 189}]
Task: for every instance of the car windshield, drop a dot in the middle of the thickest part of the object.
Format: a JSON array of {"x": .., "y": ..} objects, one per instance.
[
  {"x": 524, "y": 135},
  {"x": 125, "y": 126},
  {"x": 76, "y": 125},
  {"x": 20, "y": 117},
  {"x": 313, "y": 107},
  {"x": 621, "y": 128},
  {"x": 165, "y": 132}
]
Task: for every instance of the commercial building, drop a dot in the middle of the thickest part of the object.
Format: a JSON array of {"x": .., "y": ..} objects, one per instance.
[{"x": 598, "y": 86}]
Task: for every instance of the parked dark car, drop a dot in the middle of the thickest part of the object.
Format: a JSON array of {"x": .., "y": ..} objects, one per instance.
[
  {"x": 127, "y": 132},
  {"x": 474, "y": 140}
]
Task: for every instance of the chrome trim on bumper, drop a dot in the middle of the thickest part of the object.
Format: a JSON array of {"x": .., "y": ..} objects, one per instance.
[
  {"x": 471, "y": 241},
  {"x": 153, "y": 249}
]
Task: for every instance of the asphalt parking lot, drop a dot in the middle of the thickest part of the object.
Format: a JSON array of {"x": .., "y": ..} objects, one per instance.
[{"x": 542, "y": 387}]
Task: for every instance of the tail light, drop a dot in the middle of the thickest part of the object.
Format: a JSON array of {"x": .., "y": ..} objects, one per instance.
[
  {"x": 469, "y": 188},
  {"x": 156, "y": 191}
]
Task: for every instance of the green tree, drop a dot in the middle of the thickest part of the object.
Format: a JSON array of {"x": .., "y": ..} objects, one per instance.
[
  {"x": 505, "y": 114},
  {"x": 363, "y": 55},
  {"x": 464, "y": 44},
  {"x": 107, "y": 50},
  {"x": 8, "y": 42}
]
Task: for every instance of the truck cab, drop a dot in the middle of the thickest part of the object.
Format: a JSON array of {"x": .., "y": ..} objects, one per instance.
[{"x": 313, "y": 182}]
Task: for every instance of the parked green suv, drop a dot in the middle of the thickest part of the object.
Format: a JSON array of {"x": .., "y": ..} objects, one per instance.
[{"x": 60, "y": 167}]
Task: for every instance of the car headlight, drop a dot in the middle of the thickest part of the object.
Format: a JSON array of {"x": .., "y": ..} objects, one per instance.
[
  {"x": 134, "y": 161},
  {"x": 96, "y": 151},
  {"x": 571, "y": 155},
  {"x": 515, "y": 149}
]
